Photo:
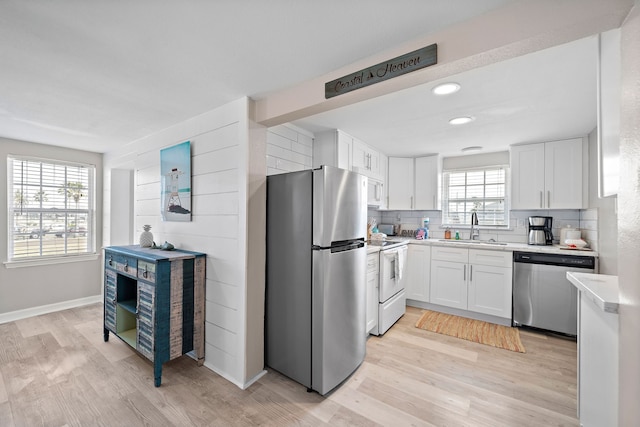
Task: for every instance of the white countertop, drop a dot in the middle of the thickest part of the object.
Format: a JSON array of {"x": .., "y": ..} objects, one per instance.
[
  {"x": 602, "y": 289},
  {"x": 373, "y": 247},
  {"x": 511, "y": 247},
  {"x": 521, "y": 247}
]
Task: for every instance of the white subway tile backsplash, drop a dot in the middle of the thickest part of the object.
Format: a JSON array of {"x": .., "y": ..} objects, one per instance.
[
  {"x": 565, "y": 213},
  {"x": 518, "y": 223},
  {"x": 589, "y": 225}
]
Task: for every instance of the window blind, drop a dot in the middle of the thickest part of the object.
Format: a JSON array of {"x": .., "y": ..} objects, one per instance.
[{"x": 50, "y": 207}]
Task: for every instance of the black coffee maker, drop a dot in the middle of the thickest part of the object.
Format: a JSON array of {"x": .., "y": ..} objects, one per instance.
[{"x": 540, "y": 230}]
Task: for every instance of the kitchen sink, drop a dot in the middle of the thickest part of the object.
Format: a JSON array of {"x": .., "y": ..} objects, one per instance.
[{"x": 476, "y": 242}]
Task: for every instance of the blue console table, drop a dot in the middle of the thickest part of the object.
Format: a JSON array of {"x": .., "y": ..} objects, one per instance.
[{"x": 154, "y": 301}]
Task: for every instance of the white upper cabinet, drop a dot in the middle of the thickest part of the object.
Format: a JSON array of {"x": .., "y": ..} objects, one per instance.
[
  {"x": 527, "y": 176},
  {"x": 339, "y": 149},
  {"x": 375, "y": 193},
  {"x": 413, "y": 183},
  {"x": 400, "y": 185},
  {"x": 427, "y": 179},
  {"x": 333, "y": 148},
  {"x": 564, "y": 180},
  {"x": 366, "y": 160},
  {"x": 550, "y": 175}
]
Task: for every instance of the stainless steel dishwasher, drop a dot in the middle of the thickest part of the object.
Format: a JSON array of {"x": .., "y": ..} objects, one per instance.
[{"x": 542, "y": 296}]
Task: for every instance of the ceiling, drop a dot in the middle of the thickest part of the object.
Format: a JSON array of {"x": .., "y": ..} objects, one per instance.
[
  {"x": 542, "y": 96},
  {"x": 99, "y": 74}
]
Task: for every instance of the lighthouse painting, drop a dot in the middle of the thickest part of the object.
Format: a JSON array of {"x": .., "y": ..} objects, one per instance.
[{"x": 175, "y": 174}]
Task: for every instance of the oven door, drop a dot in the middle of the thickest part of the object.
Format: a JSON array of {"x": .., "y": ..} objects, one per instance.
[{"x": 390, "y": 284}]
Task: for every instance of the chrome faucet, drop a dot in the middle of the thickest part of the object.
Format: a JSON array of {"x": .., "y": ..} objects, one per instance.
[{"x": 475, "y": 232}]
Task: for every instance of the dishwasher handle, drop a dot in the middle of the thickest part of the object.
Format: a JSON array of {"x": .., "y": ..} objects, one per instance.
[{"x": 576, "y": 261}]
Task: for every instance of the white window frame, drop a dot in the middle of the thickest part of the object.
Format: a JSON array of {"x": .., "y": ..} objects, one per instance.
[
  {"x": 465, "y": 222},
  {"x": 67, "y": 253}
]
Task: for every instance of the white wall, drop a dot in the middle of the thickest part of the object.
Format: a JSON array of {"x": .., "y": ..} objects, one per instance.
[
  {"x": 629, "y": 222},
  {"x": 607, "y": 217},
  {"x": 227, "y": 224},
  {"x": 289, "y": 149},
  {"x": 41, "y": 288}
]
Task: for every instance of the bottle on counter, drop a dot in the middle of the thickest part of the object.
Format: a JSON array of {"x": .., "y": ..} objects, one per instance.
[
  {"x": 447, "y": 233},
  {"x": 457, "y": 235}
]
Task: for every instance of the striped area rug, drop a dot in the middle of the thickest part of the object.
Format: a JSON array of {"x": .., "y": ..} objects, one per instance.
[{"x": 472, "y": 330}]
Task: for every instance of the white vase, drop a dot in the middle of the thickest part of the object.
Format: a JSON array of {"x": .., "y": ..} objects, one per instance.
[{"x": 146, "y": 238}]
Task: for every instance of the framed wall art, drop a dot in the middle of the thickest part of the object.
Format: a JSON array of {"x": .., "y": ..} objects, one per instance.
[{"x": 175, "y": 176}]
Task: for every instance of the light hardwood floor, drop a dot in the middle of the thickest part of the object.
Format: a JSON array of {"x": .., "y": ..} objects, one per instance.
[{"x": 55, "y": 370}]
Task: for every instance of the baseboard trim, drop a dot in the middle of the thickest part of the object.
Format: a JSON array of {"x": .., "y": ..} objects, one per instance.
[
  {"x": 242, "y": 386},
  {"x": 49, "y": 308},
  {"x": 254, "y": 379}
]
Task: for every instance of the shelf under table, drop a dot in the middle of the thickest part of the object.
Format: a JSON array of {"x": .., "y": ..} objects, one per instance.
[{"x": 128, "y": 336}]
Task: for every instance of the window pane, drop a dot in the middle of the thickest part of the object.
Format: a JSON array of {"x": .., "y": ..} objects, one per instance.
[
  {"x": 456, "y": 193},
  {"x": 495, "y": 176},
  {"x": 475, "y": 192},
  {"x": 480, "y": 191},
  {"x": 475, "y": 178},
  {"x": 494, "y": 191},
  {"x": 52, "y": 209}
]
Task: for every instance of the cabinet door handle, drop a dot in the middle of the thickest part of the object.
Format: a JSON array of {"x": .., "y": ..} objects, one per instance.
[
  {"x": 464, "y": 272},
  {"x": 434, "y": 202},
  {"x": 541, "y": 201},
  {"x": 549, "y": 199},
  {"x": 471, "y": 273},
  {"x": 411, "y": 198}
]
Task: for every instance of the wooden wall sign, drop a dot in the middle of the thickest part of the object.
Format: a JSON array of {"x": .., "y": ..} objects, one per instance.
[{"x": 395, "y": 67}]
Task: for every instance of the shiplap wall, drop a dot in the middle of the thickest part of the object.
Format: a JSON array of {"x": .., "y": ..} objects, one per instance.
[
  {"x": 220, "y": 187},
  {"x": 289, "y": 149}
]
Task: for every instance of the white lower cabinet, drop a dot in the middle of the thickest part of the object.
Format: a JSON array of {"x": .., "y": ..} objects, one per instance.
[
  {"x": 418, "y": 272},
  {"x": 472, "y": 279},
  {"x": 489, "y": 290},
  {"x": 449, "y": 283},
  {"x": 372, "y": 290}
]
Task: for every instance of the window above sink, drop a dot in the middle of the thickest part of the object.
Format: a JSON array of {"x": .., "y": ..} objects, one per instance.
[{"x": 480, "y": 190}]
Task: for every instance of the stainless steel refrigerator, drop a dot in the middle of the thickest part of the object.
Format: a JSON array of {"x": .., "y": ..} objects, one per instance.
[{"x": 316, "y": 264}]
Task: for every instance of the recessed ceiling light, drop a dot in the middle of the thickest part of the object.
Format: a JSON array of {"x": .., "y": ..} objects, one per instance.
[
  {"x": 460, "y": 120},
  {"x": 472, "y": 148},
  {"x": 446, "y": 88}
]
